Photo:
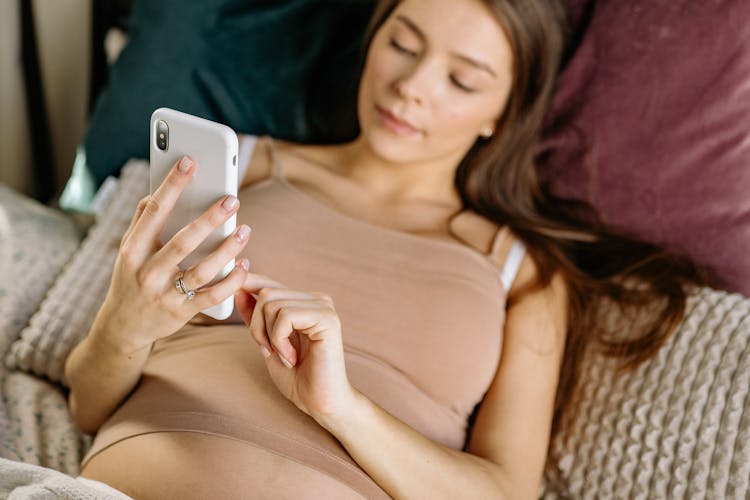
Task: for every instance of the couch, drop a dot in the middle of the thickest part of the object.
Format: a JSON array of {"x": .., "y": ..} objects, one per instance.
[{"x": 677, "y": 427}]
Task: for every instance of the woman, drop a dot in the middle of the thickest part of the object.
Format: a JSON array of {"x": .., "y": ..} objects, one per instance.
[{"x": 391, "y": 302}]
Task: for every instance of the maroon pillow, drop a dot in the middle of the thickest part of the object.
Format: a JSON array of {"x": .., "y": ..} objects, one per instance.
[{"x": 651, "y": 126}]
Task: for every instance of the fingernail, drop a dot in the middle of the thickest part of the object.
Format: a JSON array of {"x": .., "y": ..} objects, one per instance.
[
  {"x": 243, "y": 232},
  {"x": 245, "y": 264},
  {"x": 185, "y": 164},
  {"x": 285, "y": 361},
  {"x": 230, "y": 203},
  {"x": 264, "y": 350}
]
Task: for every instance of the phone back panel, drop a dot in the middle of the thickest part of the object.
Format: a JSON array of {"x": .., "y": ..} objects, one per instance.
[{"x": 213, "y": 147}]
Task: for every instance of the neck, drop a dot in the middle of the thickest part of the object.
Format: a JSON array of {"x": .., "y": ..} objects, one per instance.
[{"x": 427, "y": 181}]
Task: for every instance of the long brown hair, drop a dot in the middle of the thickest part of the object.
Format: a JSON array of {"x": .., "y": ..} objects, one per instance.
[{"x": 498, "y": 180}]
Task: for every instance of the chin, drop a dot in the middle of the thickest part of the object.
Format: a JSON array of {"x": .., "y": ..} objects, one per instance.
[{"x": 396, "y": 149}]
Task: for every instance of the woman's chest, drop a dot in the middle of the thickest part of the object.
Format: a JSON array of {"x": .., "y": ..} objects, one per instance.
[{"x": 411, "y": 304}]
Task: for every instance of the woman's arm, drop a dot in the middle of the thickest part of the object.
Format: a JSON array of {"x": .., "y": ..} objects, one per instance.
[
  {"x": 300, "y": 337},
  {"x": 408, "y": 465},
  {"x": 142, "y": 304},
  {"x": 508, "y": 448},
  {"x": 101, "y": 373}
]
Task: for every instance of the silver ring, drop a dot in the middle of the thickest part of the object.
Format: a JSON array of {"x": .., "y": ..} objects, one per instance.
[{"x": 179, "y": 284}]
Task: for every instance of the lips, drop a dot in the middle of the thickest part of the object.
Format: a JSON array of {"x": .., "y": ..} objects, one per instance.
[{"x": 396, "y": 124}]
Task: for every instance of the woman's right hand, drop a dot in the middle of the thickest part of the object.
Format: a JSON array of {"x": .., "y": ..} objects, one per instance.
[{"x": 143, "y": 304}]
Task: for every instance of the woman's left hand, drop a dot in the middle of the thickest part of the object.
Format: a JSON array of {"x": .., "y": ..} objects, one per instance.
[{"x": 299, "y": 334}]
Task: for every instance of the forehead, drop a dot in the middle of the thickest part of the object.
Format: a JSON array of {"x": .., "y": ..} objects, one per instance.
[{"x": 457, "y": 25}]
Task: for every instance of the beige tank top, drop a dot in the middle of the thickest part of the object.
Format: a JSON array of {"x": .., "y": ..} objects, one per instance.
[{"x": 422, "y": 323}]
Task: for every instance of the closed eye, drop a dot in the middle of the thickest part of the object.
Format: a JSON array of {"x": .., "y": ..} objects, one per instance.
[
  {"x": 461, "y": 86},
  {"x": 402, "y": 49}
]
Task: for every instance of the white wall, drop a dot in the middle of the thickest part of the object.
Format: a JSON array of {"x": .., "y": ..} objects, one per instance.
[{"x": 63, "y": 37}]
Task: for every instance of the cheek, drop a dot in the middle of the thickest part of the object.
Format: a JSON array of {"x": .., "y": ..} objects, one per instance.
[
  {"x": 378, "y": 62},
  {"x": 468, "y": 113},
  {"x": 460, "y": 119},
  {"x": 380, "y": 73},
  {"x": 373, "y": 77}
]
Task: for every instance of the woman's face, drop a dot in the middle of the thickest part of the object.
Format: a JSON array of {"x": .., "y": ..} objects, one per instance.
[{"x": 437, "y": 76}]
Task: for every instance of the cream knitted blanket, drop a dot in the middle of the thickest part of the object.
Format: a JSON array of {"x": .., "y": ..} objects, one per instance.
[{"x": 679, "y": 426}]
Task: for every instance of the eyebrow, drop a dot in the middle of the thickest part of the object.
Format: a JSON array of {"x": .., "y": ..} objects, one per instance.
[{"x": 477, "y": 64}]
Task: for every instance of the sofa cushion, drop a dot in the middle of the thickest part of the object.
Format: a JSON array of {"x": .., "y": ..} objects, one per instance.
[
  {"x": 274, "y": 68},
  {"x": 64, "y": 317},
  {"x": 35, "y": 243},
  {"x": 651, "y": 126},
  {"x": 678, "y": 426}
]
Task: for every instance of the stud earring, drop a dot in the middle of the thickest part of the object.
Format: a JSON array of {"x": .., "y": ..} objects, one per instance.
[{"x": 487, "y": 132}]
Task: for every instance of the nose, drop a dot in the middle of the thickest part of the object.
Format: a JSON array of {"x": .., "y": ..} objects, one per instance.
[{"x": 416, "y": 83}]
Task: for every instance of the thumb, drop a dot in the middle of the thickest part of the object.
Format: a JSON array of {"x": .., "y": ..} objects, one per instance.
[{"x": 245, "y": 304}]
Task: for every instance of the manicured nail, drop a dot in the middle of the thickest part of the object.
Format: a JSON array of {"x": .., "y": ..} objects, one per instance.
[
  {"x": 245, "y": 264},
  {"x": 185, "y": 164},
  {"x": 230, "y": 203},
  {"x": 264, "y": 350},
  {"x": 243, "y": 233},
  {"x": 287, "y": 363}
]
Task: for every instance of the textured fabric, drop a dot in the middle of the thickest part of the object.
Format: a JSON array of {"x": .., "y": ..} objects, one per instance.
[
  {"x": 678, "y": 427},
  {"x": 260, "y": 67},
  {"x": 35, "y": 243},
  {"x": 650, "y": 122},
  {"x": 35, "y": 426},
  {"x": 407, "y": 305},
  {"x": 694, "y": 391},
  {"x": 65, "y": 315},
  {"x": 651, "y": 126},
  {"x": 19, "y": 481},
  {"x": 214, "y": 381},
  {"x": 683, "y": 387}
]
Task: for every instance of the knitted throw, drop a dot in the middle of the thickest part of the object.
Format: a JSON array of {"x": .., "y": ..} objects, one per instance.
[{"x": 678, "y": 427}]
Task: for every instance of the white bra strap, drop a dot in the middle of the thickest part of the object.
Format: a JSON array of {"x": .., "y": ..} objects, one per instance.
[
  {"x": 245, "y": 154},
  {"x": 512, "y": 264}
]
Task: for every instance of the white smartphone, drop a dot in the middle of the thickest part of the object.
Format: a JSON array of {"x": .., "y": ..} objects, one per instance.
[{"x": 213, "y": 147}]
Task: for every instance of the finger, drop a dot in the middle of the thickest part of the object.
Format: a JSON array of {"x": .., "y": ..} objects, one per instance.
[
  {"x": 272, "y": 309},
  {"x": 206, "y": 270},
  {"x": 137, "y": 215},
  {"x": 245, "y": 304},
  {"x": 189, "y": 237},
  {"x": 290, "y": 319},
  {"x": 254, "y": 283},
  {"x": 222, "y": 290},
  {"x": 258, "y": 326},
  {"x": 272, "y": 300},
  {"x": 286, "y": 298},
  {"x": 256, "y": 322},
  {"x": 158, "y": 206}
]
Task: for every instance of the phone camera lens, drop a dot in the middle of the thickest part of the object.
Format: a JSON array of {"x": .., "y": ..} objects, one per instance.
[{"x": 162, "y": 135}]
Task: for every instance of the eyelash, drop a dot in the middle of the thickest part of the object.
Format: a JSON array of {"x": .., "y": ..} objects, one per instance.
[
  {"x": 461, "y": 86},
  {"x": 411, "y": 53},
  {"x": 402, "y": 49}
]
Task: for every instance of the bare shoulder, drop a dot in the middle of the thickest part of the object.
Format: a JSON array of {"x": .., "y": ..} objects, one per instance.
[
  {"x": 527, "y": 298},
  {"x": 482, "y": 234},
  {"x": 474, "y": 230},
  {"x": 537, "y": 314}
]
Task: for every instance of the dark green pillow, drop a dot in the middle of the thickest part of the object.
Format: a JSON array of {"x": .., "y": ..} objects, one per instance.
[{"x": 284, "y": 68}]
